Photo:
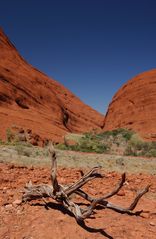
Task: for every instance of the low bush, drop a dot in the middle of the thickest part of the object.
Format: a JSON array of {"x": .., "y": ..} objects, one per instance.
[
  {"x": 23, "y": 150},
  {"x": 119, "y": 141},
  {"x": 125, "y": 133},
  {"x": 88, "y": 143},
  {"x": 138, "y": 147},
  {"x": 9, "y": 135}
]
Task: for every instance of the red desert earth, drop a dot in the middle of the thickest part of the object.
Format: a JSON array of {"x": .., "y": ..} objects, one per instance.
[
  {"x": 134, "y": 106},
  {"x": 33, "y": 221},
  {"x": 31, "y": 100}
]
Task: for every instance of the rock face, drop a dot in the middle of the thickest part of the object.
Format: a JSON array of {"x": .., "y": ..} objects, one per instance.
[
  {"x": 31, "y": 100},
  {"x": 134, "y": 106}
]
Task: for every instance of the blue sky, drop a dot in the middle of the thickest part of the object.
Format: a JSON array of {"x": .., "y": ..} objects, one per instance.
[{"x": 90, "y": 46}]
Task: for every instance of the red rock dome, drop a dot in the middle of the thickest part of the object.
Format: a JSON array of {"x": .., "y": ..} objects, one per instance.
[
  {"x": 31, "y": 100},
  {"x": 134, "y": 106}
]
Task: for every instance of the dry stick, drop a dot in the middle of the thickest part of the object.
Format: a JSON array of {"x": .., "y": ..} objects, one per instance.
[
  {"x": 88, "y": 211},
  {"x": 74, "y": 209},
  {"x": 115, "y": 191},
  {"x": 84, "y": 195},
  {"x": 83, "y": 180},
  {"x": 37, "y": 191},
  {"x": 79, "y": 213},
  {"x": 138, "y": 196},
  {"x": 106, "y": 204},
  {"x": 118, "y": 187},
  {"x": 61, "y": 193},
  {"x": 69, "y": 190},
  {"x": 129, "y": 209},
  {"x": 54, "y": 181},
  {"x": 41, "y": 191},
  {"x": 117, "y": 208}
]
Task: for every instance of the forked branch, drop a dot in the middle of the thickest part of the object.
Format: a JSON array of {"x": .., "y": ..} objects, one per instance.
[{"x": 61, "y": 193}]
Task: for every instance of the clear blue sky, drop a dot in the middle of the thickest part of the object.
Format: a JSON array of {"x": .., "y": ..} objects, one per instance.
[{"x": 91, "y": 46}]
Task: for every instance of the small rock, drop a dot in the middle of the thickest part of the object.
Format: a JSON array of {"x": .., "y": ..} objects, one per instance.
[
  {"x": 126, "y": 183},
  {"x": 11, "y": 166},
  {"x": 8, "y": 207},
  {"x": 32, "y": 167},
  {"x": 122, "y": 193},
  {"x": 146, "y": 215},
  {"x": 10, "y": 193},
  {"x": 152, "y": 214},
  {"x": 152, "y": 224},
  {"x": 138, "y": 181},
  {"x": 17, "y": 202},
  {"x": 19, "y": 212}
]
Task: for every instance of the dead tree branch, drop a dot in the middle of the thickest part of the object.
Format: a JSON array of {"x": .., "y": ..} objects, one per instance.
[{"x": 61, "y": 193}]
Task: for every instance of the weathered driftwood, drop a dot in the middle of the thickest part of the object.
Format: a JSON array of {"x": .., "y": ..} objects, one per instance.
[{"x": 62, "y": 193}]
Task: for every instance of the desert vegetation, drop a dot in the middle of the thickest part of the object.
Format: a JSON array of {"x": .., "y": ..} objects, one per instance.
[
  {"x": 118, "y": 142},
  {"x": 119, "y": 150}
]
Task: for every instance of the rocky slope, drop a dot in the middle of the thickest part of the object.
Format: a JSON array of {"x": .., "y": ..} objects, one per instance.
[
  {"x": 30, "y": 99},
  {"x": 134, "y": 106}
]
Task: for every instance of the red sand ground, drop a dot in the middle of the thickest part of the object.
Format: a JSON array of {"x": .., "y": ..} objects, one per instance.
[{"x": 34, "y": 221}]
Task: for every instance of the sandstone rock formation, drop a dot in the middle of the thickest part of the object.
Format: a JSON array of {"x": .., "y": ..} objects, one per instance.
[
  {"x": 134, "y": 106},
  {"x": 31, "y": 100}
]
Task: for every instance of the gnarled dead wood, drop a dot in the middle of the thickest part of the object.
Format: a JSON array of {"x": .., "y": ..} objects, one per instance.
[{"x": 61, "y": 193}]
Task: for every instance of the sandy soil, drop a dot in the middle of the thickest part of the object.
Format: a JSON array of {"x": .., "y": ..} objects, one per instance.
[{"x": 34, "y": 221}]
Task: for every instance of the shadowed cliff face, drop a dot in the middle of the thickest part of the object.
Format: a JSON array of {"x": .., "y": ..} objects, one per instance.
[
  {"x": 134, "y": 106},
  {"x": 30, "y": 99}
]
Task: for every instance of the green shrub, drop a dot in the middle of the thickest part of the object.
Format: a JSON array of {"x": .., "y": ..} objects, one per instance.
[
  {"x": 138, "y": 147},
  {"x": 124, "y": 141},
  {"x": 125, "y": 133},
  {"x": 151, "y": 153},
  {"x": 62, "y": 147},
  {"x": 9, "y": 135},
  {"x": 87, "y": 143},
  {"x": 99, "y": 143},
  {"x": 1, "y": 142},
  {"x": 23, "y": 150},
  {"x": 130, "y": 151}
]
